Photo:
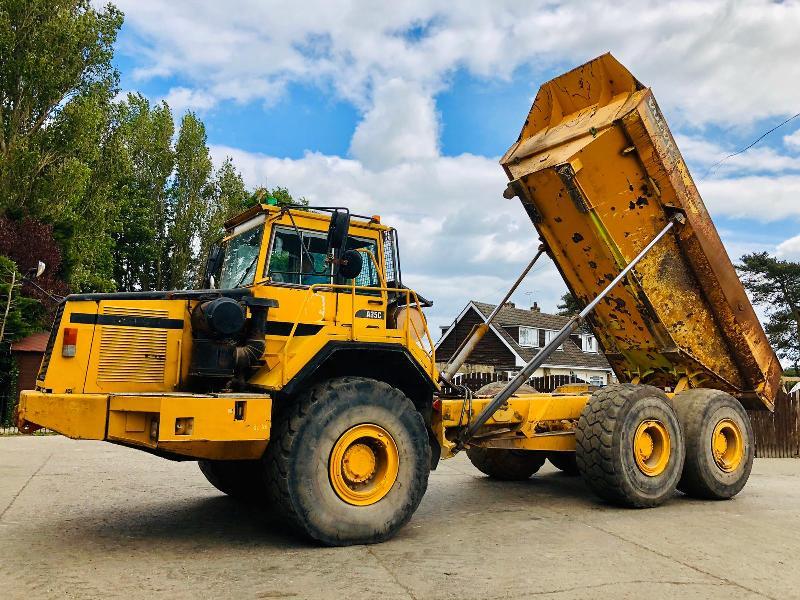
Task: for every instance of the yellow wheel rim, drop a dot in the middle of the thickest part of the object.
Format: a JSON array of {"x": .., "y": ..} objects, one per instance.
[
  {"x": 363, "y": 465},
  {"x": 651, "y": 447},
  {"x": 727, "y": 445}
]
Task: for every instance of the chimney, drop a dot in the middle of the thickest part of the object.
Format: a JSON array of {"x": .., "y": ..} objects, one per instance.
[
  {"x": 535, "y": 308},
  {"x": 510, "y": 304}
]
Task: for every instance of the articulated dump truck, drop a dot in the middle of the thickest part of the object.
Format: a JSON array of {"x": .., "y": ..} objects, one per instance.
[{"x": 304, "y": 378}]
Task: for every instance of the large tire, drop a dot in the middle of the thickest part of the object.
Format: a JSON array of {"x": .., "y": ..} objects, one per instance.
[
  {"x": 705, "y": 415},
  {"x": 240, "y": 479},
  {"x": 308, "y": 461},
  {"x": 506, "y": 465},
  {"x": 564, "y": 462},
  {"x": 615, "y": 418}
]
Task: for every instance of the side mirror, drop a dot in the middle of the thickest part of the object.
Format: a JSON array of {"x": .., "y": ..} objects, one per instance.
[
  {"x": 35, "y": 272},
  {"x": 351, "y": 264},
  {"x": 213, "y": 263},
  {"x": 337, "y": 232},
  {"x": 40, "y": 267}
]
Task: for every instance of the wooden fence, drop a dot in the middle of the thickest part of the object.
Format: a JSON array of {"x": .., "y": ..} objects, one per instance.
[
  {"x": 475, "y": 381},
  {"x": 778, "y": 433}
]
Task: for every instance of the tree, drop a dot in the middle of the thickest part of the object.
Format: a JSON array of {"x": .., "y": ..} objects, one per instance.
[
  {"x": 142, "y": 153},
  {"x": 568, "y": 306},
  {"x": 188, "y": 201},
  {"x": 775, "y": 285},
  {"x": 56, "y": 86}
]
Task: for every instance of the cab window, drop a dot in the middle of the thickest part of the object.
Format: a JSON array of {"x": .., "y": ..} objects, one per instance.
[{"x": 301, "y": 260}]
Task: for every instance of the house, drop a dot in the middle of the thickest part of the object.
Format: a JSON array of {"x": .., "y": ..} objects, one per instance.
[
  {"x": 28, "y": 353},
  {"x": 517, "y": 334}
]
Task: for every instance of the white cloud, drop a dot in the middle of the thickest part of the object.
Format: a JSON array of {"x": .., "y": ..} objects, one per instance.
[
  {"x": 792, "y": 141},
  {"x": 688, "y": 51},
  {"x": 460, "y": 239},
  {"x": 401, "y": 126},
  {"x": 758, "y": 198},
  {"x": 181, "y": 99},
  {"x": 706, "y": 155},
  {"x": 789, "y": 249}
]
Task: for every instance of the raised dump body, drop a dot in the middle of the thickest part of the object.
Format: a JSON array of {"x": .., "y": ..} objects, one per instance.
[{"x": 599, "y": 174}]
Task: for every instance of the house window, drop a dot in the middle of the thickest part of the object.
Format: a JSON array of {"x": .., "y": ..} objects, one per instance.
[
  {"x": 597, "y": 380},
  {"x": 589, "y": 343},
  {"x": 528, "y": 337},
  {"x": 549, "y": 335}
]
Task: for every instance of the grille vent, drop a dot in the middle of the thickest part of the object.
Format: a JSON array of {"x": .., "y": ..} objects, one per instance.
[{"x": 132, "y": 354}]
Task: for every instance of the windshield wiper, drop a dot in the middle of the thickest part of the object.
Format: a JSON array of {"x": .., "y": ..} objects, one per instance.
[{"x": 247, "y": 270}]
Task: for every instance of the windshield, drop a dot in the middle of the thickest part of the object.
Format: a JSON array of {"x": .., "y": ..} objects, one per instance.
[{"x": 241, "y": 256}]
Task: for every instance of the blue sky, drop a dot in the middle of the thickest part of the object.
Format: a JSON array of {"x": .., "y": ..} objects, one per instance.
[{"x": 403, "y": 110}]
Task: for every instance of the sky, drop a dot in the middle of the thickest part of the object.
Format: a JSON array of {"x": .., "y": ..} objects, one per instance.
[{"x": 403, "y": 109}]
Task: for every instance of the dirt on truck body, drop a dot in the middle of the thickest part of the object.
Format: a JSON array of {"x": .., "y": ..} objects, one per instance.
[{"x": 599, "y": 174}]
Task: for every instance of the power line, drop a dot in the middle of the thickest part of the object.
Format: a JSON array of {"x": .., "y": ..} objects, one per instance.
[{"x": 753, "y": 143}]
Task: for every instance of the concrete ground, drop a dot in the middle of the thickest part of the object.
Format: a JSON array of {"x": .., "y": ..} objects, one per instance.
[{"x": 91, "y": 520}]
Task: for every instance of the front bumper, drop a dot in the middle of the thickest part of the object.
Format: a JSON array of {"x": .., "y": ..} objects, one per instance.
[{"x": 220, "y": 426}]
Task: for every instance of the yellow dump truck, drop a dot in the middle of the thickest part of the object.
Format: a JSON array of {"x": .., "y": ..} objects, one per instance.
[{"x": 303, "y": 378}]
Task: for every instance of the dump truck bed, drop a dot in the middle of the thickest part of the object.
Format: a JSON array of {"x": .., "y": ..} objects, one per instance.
[{"x": 599, "y": 174}]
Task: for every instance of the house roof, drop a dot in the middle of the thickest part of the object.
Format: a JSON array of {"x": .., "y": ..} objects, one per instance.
[
  {"x": 36, "y": 342},
  {"x": 570, "y": 356}
]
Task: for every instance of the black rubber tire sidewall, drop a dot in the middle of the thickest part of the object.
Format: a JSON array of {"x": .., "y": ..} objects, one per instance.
[
  {"x": 332, "y": 409},
  {"x": 506, "y": 465},
  {"x": 699, "y": 411},
  {"x": 604, "y": 445},
  {"x": 648, "y": 491},
  {"x": 564, "y": 462},
  {"x": 240, "y": 479}
]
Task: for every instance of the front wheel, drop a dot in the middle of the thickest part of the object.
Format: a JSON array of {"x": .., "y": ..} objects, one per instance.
[{"x": 349, "y": 461}]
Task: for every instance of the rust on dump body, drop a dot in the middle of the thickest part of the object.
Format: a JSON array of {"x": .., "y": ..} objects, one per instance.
[{"x": 599, "y": 174}]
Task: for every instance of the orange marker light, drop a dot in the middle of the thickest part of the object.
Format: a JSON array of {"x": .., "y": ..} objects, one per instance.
[
  {"x": 70, "y": 343},
  {"x": 375, "y": 218}
]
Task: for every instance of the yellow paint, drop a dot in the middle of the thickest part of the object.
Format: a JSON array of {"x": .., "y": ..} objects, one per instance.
[
  {"x": 128, "y": 378},
  {"x": 79, "y": 416},
  {"x": 363, "y": 465},
  {"x": 727, "y": 445},
  {"x": 651, "y": 447},
  {"x": 526, "y": 421},
  {"x": 600, "y": 171}
]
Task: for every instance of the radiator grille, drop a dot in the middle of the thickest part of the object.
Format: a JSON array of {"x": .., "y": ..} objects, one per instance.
[
  {"x": 132, "y": 354},
  {"x": 51, "y": 341}
]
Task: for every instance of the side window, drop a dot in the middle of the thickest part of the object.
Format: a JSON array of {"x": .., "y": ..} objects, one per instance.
[
  {"x": 299, "y": 260},
  {"x": 369, "y": 275}
]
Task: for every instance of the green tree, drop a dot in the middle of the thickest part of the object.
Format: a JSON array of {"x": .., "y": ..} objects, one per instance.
[
  {"x": 190, "y": 190},
  {"x": 143, "y": 159},
  {"x": 225, "y": 197},
  {"x": 568, "y": 306},
  {"x": 56, "y": 86},
  {"x": 775, "y": 285}
]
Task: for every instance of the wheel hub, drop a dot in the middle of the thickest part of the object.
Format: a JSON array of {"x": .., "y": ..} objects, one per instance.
[
  {"x": 363, "y": 465},
  {"x": 651, "y": 447},
  {"x": 727, "y": 445},
  {"x": 358, "y": 463}
]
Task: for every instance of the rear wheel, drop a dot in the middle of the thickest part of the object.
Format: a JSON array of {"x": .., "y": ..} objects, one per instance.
[
  {"x": 349, "y": 461},
  {"x": 506, "y": 465},
  {"x": 719, "y": 444},
  {"x": 629, "y": 445},
  {"x": 240, "y": 479},
  {"x": 565, "y": 462}
]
